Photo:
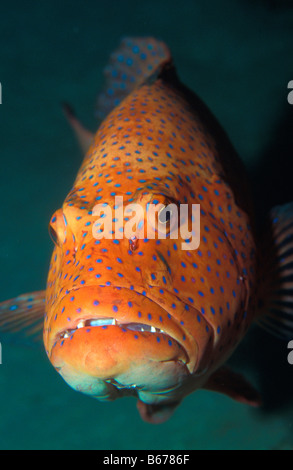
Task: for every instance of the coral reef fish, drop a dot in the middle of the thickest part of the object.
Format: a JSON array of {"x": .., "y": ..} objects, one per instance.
[{"x": 149, "y": 315}]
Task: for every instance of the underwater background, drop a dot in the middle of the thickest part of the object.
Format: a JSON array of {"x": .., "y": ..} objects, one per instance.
[{"x": 237, "y": 55}]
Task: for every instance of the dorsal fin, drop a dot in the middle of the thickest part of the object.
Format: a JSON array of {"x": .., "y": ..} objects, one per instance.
[
  {"x": 135, "y": 60},
  {"x": 83, "y": 135}
]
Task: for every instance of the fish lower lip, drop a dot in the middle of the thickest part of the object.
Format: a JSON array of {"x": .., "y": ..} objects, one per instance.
[{"x": 100, "y": 322}]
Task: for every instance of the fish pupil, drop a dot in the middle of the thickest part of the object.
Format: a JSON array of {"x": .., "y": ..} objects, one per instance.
[{"x": 164, "y": 215}]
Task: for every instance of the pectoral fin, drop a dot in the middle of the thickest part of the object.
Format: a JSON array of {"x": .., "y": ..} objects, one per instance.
[
  {"x": 24, "y": 315},
  {"x": 234, "y": 386},
  {"x": 275, "y": 289},
  {"x": 156, "y": 414}
]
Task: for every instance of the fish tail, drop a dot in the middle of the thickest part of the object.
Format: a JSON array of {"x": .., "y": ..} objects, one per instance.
[
  {"x": 24, "y": 314},
  {"x": 275, "y": 296},
  {"x": 134, "y": 61}
]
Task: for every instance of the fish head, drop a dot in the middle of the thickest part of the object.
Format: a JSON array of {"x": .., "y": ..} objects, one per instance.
[{"x": 110, "y": 328}]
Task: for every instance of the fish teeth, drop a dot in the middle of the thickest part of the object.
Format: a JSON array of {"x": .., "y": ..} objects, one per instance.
[
  {"x": 112, "y": 322},
  {"x": 102, "y": 322}
]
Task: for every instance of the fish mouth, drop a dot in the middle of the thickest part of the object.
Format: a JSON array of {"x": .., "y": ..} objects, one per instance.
[
  {"x": 105, "y": 322},
  {"x": 100, "y": 322},
  {"x": 159, "y": 322},
  {"x": 108, "y": 342}
]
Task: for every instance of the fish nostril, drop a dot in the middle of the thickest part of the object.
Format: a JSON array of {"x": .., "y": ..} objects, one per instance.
[{"x": 133, "y": 243}]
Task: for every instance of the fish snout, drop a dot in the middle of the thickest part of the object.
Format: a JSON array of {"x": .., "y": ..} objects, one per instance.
[{"x": 119, "y": 342}]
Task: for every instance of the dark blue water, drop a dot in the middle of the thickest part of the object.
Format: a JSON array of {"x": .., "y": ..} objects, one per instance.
[{"x": 237, "y": 55}]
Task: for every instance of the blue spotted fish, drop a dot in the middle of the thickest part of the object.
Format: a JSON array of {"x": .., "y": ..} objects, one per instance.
[{"x": 141, "y": 316}]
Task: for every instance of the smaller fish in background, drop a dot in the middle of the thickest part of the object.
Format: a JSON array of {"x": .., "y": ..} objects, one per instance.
[{"x": 141, "y": 316}]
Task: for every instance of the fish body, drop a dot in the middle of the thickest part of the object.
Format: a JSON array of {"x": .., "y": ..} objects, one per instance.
[{"x": 142, "y": 316}]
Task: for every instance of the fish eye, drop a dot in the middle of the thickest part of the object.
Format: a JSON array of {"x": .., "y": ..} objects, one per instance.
[
  {"x": 164, "y": 215},
  {"x": 57, "y": 228}
]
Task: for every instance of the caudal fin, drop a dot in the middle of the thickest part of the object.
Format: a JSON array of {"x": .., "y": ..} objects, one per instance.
[
  {"x": 276, "y": 283},
  {"x": 135, "y": 60}
]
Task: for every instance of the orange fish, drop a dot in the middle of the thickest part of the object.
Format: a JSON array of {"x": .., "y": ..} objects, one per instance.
[{"x": 145, "y": 315}]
